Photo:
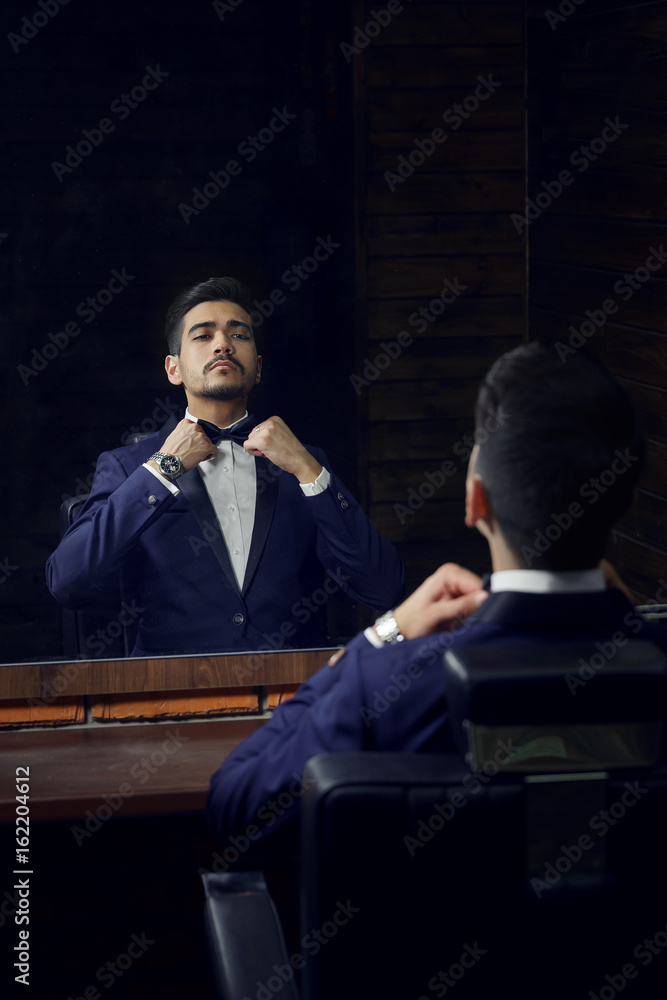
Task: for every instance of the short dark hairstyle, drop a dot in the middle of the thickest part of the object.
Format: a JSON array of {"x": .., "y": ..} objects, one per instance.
[
  {"x": 561, "y": 452},
  {"x": 213, "y": 290}
]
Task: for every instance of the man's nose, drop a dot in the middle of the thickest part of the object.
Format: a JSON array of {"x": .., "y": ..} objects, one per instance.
[{"x": 222, "y": 343}]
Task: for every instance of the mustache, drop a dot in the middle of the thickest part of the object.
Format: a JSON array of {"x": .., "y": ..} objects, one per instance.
[{"x": 230, "y": 361}]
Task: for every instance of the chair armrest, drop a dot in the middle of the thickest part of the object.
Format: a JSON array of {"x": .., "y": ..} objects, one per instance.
[{"x": 245, "y": 937}]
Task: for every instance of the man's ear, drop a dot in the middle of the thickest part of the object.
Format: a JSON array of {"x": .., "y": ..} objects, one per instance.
[
  {"x": 478, "y": 505},
  {"x": 171, "y": 364},
  {"x": 259, "y": 368}
]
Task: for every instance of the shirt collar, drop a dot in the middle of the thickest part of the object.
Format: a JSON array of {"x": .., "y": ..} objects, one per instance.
[
  {"x": 539, "y": 581},
  {"x": 188, "y": 416}
]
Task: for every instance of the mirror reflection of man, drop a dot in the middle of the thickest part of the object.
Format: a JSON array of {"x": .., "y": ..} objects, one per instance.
[{"x": 223, "y": 525}]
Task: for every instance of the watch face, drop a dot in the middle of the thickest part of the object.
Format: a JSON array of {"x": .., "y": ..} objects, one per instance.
[{"x": 170, "y": 465}]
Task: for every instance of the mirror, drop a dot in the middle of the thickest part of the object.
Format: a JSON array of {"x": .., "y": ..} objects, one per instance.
[{"x": 152, "y": 147}]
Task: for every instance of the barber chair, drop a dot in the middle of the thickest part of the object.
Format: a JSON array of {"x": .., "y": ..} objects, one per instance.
[{"x": 530, "y": 863}]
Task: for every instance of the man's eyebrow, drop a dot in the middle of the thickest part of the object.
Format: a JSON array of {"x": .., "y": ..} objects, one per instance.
[{"x": 210, "y": 325}]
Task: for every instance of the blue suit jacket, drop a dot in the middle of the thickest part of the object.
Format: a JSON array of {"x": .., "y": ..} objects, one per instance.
[
  {"x": 393, "y": 699},
  {"x": 174, "y": 560}
]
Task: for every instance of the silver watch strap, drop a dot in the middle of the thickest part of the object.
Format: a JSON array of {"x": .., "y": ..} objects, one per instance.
[{"x": 387, "y": 629}]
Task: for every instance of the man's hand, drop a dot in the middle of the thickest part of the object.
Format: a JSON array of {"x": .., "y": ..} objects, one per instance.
[
  {"x": 612, "y": 579},
  {"x": 274, "y": 440},
  {"x": 441, "y": 602},
  {"x": 189, "y": 442}
]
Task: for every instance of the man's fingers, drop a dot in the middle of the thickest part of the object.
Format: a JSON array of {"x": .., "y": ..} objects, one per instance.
[
  {"x": 456, "y": 610},
  {"x": 457, "y": 580}
]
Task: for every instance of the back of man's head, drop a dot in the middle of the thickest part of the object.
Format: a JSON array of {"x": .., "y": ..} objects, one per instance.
[{"x": 567, "y": 453}]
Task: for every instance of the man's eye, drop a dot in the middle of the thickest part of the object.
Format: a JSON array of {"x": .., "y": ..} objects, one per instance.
[
  {"x": 241, "y": 336},
  {"x": 202, "y": 336}
]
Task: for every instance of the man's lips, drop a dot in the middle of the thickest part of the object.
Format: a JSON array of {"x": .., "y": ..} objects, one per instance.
[{"x": 223, "y": 366}]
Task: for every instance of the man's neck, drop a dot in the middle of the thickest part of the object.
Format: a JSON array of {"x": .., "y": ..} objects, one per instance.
[{"x": 221, "y": 412}]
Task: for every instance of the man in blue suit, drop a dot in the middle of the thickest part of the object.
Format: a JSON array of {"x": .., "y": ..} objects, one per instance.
[
  {"x": 544, "y": 489},
  {"x": 221, "y": 527}
]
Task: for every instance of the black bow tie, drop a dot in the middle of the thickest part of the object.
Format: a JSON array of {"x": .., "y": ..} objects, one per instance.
[{"x": 239, "y": 432}]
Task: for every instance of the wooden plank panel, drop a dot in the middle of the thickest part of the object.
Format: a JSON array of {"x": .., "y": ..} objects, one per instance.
[
  {"x": 602, "y": 244},
  {"x": 435, "y": 518},
  {"x": 448, "y": 192},
  {"x": 647, "y": 519},
  {"x": 423, "y": 440},
  {"x": 422, "y": 109},
  {"x": 483, "y": 317},
  {"x": 488, "y": 275},
  {"x": 46, "y": 681},
  {"x": 637, "y": 354},
  {"x": 573, "y": 290},
  {"x": 392, "y": 481},
  {"x": 651, "y": 404},
  {"x": 403, "y": 235},
  {"x": 463, "y": 357},
  {"x": 422, "y": 400},
  {"x": 468, "y": 149},
  {"x": 466, "y": 547},
  {"x": 655, "y": 470},
  {"x": 105, "y": 708},
  {"x": 64, "y": 711},
  {"x": 445, "y": 67},
  {"x": 638, "y": 192},
  {"x": 643, "y": 567},
  {"x": 454, "y": 25}
]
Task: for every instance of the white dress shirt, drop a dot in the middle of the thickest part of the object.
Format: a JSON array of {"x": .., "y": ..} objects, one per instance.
[{"x": 231, "y": 483}]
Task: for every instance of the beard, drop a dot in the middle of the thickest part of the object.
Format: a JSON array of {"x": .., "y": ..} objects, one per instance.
[{"x": 222, "y": 391}]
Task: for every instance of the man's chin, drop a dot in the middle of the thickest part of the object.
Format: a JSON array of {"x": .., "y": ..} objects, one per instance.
[{"x": 222, "y": 392}]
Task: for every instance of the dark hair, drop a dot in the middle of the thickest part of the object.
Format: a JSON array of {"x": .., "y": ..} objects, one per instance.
[
  {"x": 560, "y": 454},
  {"x": 213, "y": 290}
]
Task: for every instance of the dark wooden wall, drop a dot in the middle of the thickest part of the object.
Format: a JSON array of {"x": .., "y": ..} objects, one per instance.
[
  {"x": 607, "y": 60},
  {"x": 449, "y": 220}
]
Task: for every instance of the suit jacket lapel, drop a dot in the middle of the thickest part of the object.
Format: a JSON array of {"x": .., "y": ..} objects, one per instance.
[
  {"x": 265, "y": 502},
  {"x": 194, "y": 491}
]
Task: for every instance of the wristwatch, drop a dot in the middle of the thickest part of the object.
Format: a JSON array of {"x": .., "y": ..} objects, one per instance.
[
  {"x": 387, "y": 629},
  {"x": 169, "y": 465}
]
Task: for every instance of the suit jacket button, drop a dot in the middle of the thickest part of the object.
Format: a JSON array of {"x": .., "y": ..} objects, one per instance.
[
  {"x": 152, "y": 500},
  {"x": 238, "y": 619},
  {"x": 340, "y": 496},
  {"x": 344, "y": 504}
]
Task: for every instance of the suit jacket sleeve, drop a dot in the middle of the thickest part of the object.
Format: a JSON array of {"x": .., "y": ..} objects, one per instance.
[
  {"x": 322, "y": 716},
  {"x": 123, "y": 503},
  {"x": 348, "y": 543}
]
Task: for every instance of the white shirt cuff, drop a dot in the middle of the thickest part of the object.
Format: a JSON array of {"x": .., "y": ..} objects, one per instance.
[
  {"x": 170, "y": 486},
  {"x": 319, "y": 486},
  {"x": 374, "y": 638}
]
